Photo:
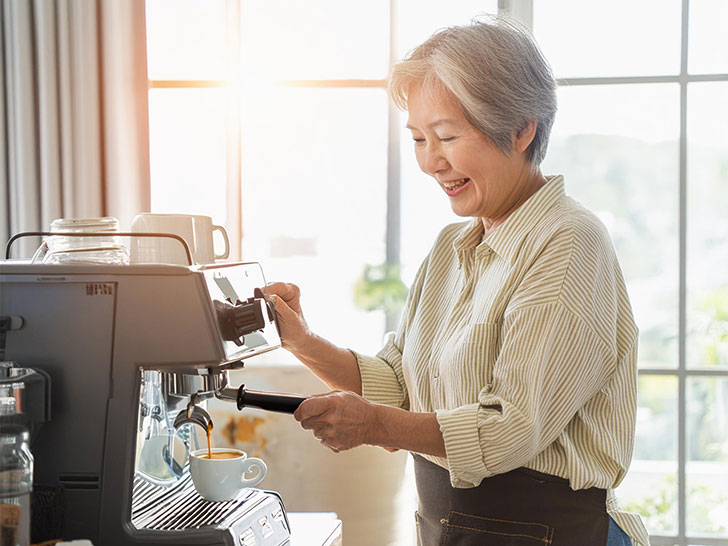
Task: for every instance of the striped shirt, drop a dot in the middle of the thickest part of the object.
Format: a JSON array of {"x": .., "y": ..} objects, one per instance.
[{"x": 524, "y": 344}]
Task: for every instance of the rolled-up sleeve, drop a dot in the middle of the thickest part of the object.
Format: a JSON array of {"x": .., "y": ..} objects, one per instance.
[
  {"x": 382, "y": 380},
  {"x": 459, "y": 429}
]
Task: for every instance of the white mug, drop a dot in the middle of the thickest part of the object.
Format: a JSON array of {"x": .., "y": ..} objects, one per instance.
[
  {"x": 222, "y": 479},
  {"x": 196, "y": 230}
]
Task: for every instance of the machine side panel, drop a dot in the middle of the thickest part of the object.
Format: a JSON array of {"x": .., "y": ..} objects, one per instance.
[
  {"x": 165, "y": 321},
  {"x": 68, "y": 333}
]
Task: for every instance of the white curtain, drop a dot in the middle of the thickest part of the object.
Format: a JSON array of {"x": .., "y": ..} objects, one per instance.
[{"x": 73, "y": 113}]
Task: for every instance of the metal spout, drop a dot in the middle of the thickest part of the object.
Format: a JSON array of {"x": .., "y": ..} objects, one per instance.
[
  {"x": 216, "y": 384},
  {"x": 195, "y": 415}
]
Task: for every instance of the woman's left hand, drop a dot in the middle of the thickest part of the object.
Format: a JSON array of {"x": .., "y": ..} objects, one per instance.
[{"x": 340, "y": 419}]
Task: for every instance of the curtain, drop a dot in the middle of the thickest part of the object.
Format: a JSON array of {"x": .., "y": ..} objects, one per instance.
[{"x": 73, "y": 113}]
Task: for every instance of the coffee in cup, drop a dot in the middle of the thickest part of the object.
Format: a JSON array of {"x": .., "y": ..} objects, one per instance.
[
  {"x": 221, "y": 455},
  {"x": 195, "y": 229},
  {"x": 222, "y": 477}
]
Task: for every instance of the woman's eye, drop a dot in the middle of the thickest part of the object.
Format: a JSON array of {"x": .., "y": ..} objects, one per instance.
[
  {"x": 447, "y": 139},
  {"x": 418, "y": 140}
]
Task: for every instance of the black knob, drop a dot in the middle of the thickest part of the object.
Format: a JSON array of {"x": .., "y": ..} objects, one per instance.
[{"x": 237, "y": 320}]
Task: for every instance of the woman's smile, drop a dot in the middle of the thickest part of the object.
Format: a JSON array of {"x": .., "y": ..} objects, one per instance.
[{"x": 455, "y": 187}]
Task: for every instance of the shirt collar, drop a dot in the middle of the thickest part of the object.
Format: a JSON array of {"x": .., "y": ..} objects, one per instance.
[
  {"x": 507, "y": 238},
  {"x": 470, "y": 236}
]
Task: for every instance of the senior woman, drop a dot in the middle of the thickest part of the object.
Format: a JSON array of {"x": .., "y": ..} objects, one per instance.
[{"x": 512, "y": 376}]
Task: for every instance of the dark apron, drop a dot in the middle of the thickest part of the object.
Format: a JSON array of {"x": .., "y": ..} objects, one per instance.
[{"x": 520, "y": 508}]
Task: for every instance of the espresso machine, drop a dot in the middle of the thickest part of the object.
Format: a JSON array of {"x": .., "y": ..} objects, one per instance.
[{"x": 133, "y": 353}]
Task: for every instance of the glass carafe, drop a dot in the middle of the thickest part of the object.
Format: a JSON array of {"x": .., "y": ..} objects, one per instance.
[
  {"x": 16, "y": 485},
  {"x": 63, "y": 249}
]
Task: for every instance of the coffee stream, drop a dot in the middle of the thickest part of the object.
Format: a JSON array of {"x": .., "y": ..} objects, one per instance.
[
  {"x": 218, "y": 454},
  {"x": 209, "y": 446}
]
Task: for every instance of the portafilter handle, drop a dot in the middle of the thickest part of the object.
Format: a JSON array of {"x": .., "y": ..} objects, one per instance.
[{"x": 269, "y": 401}]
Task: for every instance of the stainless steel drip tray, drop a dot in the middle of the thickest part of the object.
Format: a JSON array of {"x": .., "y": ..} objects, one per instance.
[{"x": 180, "y": 507}]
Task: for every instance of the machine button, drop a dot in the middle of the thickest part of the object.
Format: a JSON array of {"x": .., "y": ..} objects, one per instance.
[
  {"x": 265, "y": 526},
  {"x": 247, "y": 537}
]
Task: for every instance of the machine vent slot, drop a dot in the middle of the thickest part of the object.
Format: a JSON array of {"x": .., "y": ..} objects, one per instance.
[
  {"x": 179, "y": 507},
  {"x": 79, "y": 481}
]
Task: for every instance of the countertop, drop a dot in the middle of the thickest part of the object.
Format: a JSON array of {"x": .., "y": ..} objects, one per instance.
[{"x": 315, "y": 529}]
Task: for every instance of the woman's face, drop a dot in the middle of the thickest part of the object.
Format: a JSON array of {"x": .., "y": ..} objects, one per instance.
[{"x": 478, "y": 178}]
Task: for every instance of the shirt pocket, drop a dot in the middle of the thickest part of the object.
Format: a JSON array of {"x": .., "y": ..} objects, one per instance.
[
  {"x": 469, "y": 368},
  {"x": 461, "y": 529}
]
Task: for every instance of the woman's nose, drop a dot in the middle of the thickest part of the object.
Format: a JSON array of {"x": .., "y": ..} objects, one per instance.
[{"x": 432, "y": 161}]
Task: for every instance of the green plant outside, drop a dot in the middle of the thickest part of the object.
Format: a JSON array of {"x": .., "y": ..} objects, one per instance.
[{"x": 380, "y": 288}]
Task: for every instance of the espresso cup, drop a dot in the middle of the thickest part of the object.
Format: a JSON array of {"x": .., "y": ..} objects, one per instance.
[
  {"x": 221, "y": 479},
  {"x": 195, "y": 229}
]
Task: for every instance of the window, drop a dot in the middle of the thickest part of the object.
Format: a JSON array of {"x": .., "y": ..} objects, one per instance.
[
  {"x": 277, "y": 127},
  {"x": 273, "y": 117}
]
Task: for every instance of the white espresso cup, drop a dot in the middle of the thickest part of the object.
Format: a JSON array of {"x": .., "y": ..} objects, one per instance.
[
  {"x": 222, "y": 479},
  {"x": 196, "y": 230}
]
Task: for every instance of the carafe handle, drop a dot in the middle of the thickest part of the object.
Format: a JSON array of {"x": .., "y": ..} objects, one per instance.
[{"x": 41, "y": 253}]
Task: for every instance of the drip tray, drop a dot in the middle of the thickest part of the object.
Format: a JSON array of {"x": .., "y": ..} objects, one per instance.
[{"x": 180, "y": 507}]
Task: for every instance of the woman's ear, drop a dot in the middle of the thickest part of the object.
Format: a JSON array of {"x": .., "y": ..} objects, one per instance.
[{"x": 525, "y": 136}]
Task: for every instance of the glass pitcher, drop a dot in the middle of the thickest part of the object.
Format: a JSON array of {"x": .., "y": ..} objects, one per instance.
[{"x": 64, "y": 249}]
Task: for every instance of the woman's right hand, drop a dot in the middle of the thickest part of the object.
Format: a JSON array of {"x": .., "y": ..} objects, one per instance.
[
  {"x": 286, "y": 298},
  {"x": 335, "y": 366}
]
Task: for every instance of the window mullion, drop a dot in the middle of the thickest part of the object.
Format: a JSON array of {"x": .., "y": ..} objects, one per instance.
[
  {"x": 682, "y": 306},
  {"x": 394, "y": 178},
  {"x": 233, "y": 186},
  {"x": 522, "y": 10}
]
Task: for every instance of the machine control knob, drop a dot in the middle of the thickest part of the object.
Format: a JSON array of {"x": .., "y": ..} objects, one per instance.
[{"x": 241, "y": 318}]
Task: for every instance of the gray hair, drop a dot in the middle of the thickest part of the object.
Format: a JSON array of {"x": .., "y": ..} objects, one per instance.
[{"x": 495, "y": 71}]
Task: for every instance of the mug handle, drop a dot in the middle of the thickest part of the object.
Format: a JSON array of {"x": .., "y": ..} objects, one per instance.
[
  {"x": 225, "y": 254},
  {"x": 251, "y": 464}
]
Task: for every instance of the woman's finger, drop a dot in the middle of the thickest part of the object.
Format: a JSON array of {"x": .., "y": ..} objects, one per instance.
[
  {"x": 313, "y": 406},
  {"x": 283, "y": 310},
  {"x": 287, "y": 291}
]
